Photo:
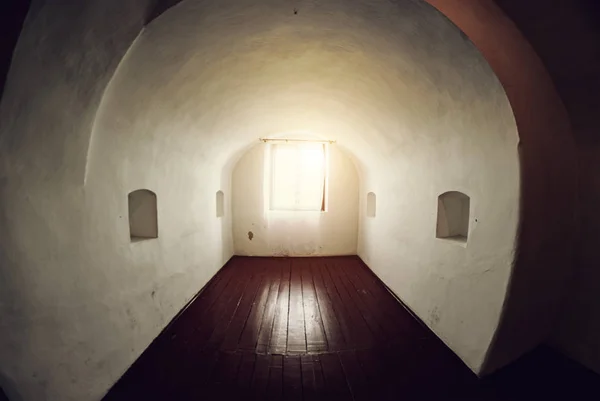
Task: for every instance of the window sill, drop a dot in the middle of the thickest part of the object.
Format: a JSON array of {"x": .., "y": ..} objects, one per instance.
[
  {"x": 141, "y": 239},
  {"x": 296, "y": 211},
  {"x": 457, "y": 239}
]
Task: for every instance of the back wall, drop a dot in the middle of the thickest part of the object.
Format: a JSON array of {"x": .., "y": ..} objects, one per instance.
[{"x": 301, "y": 233}]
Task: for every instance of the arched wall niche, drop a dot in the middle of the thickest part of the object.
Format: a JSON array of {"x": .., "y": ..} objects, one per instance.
[
  {"x": 453, "y": 214},
  {"x": 371, "y": 204},
  {"x": 68, "y": 211},
  {"x": 143, "y": 215},
  {"x": 220, "y": 201}
]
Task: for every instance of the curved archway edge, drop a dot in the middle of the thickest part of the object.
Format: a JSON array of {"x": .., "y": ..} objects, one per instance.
[{"x": 546, "y": 136}]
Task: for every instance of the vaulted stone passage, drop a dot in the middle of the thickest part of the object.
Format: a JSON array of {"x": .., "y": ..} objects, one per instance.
[
  {"x": 176, "y": 98},
  {"x": 405, "y": 105}
]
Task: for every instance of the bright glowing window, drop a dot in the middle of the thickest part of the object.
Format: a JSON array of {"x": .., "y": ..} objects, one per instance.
[{"x": 298, "y": 176}]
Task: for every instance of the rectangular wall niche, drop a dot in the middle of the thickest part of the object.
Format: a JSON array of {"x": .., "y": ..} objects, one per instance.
[
  {"x": 453, "y": 216},
  {"x": 143, "y": 221},
  {"x": 371, "y": 204},
  {"x": 220, "y": 204}
]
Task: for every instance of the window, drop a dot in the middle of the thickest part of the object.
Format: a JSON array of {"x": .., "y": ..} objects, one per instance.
[
  {"x": 220, "y": 204},
  {"x": 453, "y": 216},
  {"x": 298, "y": 176},
  {"x": 143, "y": 222},
  {"x": 371, "y": 204}
]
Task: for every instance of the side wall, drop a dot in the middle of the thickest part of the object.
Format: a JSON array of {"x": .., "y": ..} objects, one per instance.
[
  {"x": 456, "y": 290},
  {"x": 294, "y": 233},
  {"x": 78, "y": 301},
  {"x": 548, "y": 178}
]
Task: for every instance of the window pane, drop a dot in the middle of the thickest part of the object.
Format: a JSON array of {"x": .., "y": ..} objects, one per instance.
[{"x": 298, "y": 176}]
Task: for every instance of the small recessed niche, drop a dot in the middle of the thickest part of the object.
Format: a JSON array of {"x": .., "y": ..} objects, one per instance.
[
  {"x": 143, "y": 221},
  {"x": 220, "y": 204},
  {"x": 371, "y": 204},
  {"x": 453, "y": 217}
]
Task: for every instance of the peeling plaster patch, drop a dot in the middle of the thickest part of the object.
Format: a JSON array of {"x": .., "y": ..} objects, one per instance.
[{"x": 250, "y": 235}]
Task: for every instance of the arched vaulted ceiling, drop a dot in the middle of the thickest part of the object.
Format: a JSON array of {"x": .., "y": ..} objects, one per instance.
[{"x": 365, "y": 75}]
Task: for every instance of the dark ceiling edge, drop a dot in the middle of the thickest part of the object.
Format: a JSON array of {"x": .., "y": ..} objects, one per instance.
[
  {"x": 160, "y": 8},
  {"x": 12, "y": 17}
]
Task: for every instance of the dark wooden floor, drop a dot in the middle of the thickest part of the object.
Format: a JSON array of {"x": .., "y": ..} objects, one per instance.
[{"x": 321, "y": 329}]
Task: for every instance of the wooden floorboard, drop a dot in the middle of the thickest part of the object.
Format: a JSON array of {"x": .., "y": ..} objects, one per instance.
[
  {"x": 296, "y": 343},
  {"x": 292, "y": 378},
  {"x": 279, "y": 337},
  {"x": 275, "y": 386},
  {"x": 338, "y": 309},
  {"x": 362, "y": 319},
  {"x": 268, "y": 319},
  {"x": 335, "y": 381},
  {"x": 260, "y": 378},
  {"x": 356, "y": 378},
  {"x": 250, "y": 333},
  {"x": 246, "y": 372},
  {"x": 316, "y": 341},
  {"x": 321, "y": 329},
  {"x": 333, "y": 330},
  {"x": 312, "y": 377},
  {"x": 242, "y": 312}
]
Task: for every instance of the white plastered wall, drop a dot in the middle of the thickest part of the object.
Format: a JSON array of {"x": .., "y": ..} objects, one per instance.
[
  {"x": 79, "y": 301},
  {"x": 457, "y": 291},
  {"x": 395, "y": 84},
  {"x": 302, "y": 233}
]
